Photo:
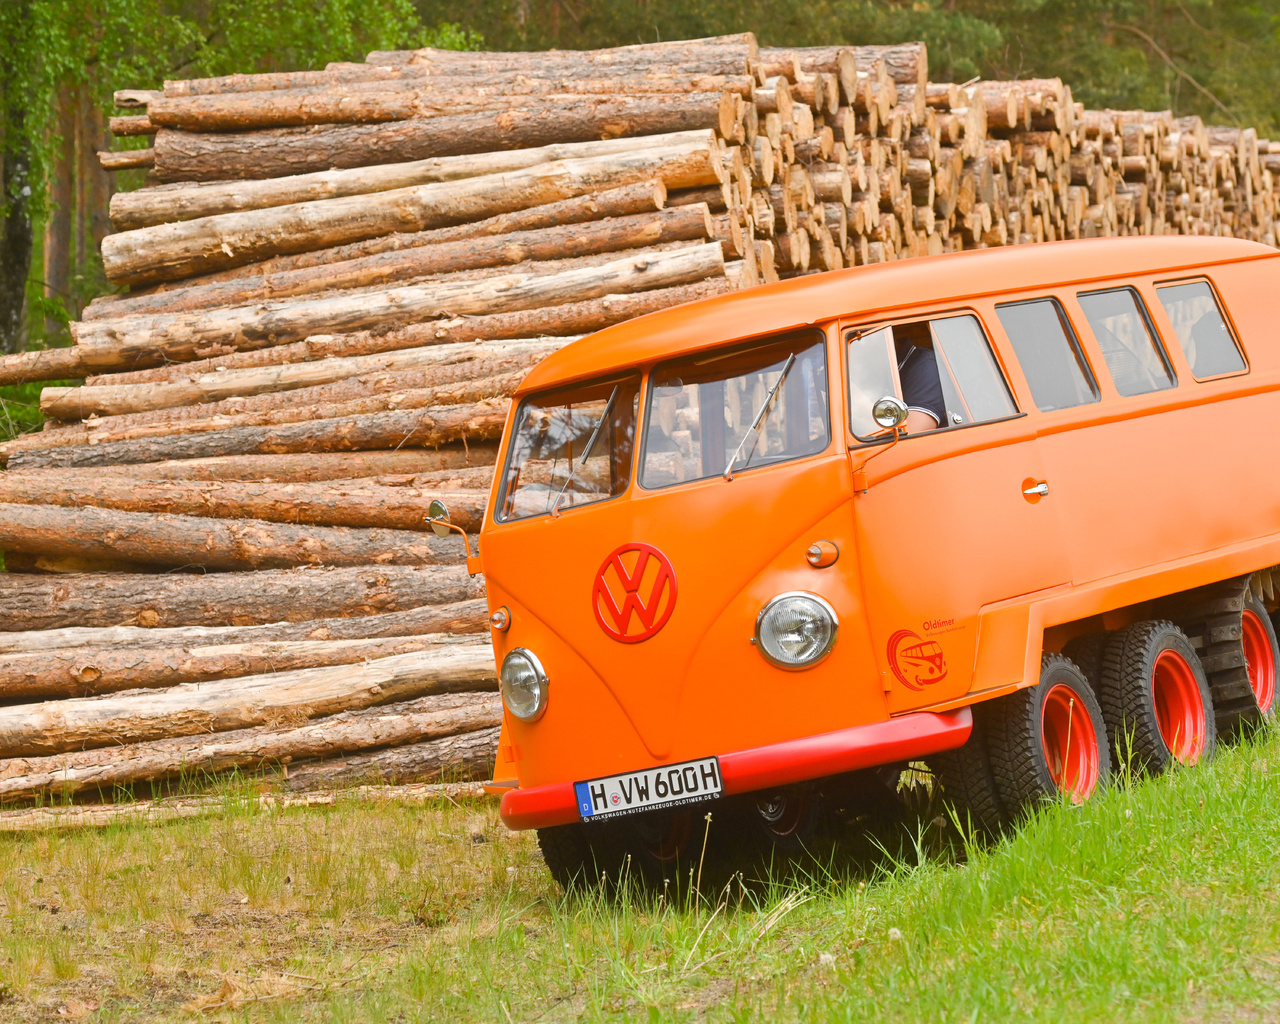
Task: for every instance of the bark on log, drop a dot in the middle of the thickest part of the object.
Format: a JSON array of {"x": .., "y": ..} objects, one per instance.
[
  {"x": 353, "y": 503},
  {"x": 211, "y": 544},
  {"x": 398, "y": 266},
  {"x": 415, "y": 721},
  {"x": 188, "y": 336},
  {"x": 311, "y": 466},
  {"x": 468, "y": 755},
  {"x": 642, "y": 197},
  {"x": 163, "y": 204},
  {"x": 222, "y": 705},
  {"x": 170, "y": 251},
  {"x": 571, "y": 318},
  {"x": 82, "y": 672},
  {"x": 228, "y": 599},
  {"x": 127, "y": 160},
  {"x": 276, "y": 152},
  {"x": 460, "y": 617},
  {"x": 425, "y": 428},
  {"x": 196, "y": 389}
]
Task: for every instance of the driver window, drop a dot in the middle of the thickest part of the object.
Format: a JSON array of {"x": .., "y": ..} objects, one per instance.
[{"x": 942, "y": 369}]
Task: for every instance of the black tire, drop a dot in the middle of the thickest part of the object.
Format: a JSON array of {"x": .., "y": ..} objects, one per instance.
[
  {"x": 1214, "y": 625},
  {"x": 1147, "y": 698},
  {"x": 968, "y": 785},
  {"x": 1016, "y": 737},
  {"x": 780, "y": 824},
  {"x": 1087, "y": 651}
]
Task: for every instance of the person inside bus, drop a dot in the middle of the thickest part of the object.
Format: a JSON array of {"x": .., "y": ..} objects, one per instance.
[{"x": 919, "y": 377}]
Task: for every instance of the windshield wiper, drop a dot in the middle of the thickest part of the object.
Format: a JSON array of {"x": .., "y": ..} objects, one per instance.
[
  {"x": 764, "y": 408},
  {"x": 591, "y": 443}
]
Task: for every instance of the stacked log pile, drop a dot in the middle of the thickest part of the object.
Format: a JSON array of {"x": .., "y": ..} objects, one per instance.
[{"x": 216, "y": 549}]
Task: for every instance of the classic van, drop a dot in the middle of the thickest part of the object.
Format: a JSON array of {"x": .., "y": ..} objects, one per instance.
[{"x": 1011, "y": 512}]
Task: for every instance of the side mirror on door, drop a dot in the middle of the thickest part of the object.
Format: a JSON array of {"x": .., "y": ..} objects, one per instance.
[{"x": 889, "y": 412}]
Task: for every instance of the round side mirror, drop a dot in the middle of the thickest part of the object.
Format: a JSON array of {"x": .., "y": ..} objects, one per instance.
[
  {"x": 889, "y": 412},
  {"x": 437, "y": 517}
]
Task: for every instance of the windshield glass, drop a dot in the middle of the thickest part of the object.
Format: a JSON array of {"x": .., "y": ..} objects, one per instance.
[
  {"x": 701, "y": 410},
  {"x": 570, "y": 447}
]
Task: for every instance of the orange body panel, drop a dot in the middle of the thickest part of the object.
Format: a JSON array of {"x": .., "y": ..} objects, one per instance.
[{"x": 948, "y": 575}]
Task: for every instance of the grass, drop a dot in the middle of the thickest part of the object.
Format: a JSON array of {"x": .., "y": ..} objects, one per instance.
[
  {"x": 1156, "y": 902},
  {"x": 20, "y": 407}
]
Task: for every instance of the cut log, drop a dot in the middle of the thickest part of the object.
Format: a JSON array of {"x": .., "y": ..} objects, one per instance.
[
  {"x": 311, "y": 466},
  {"x": 276, "y": 152},
  {"x": 425, "y": 428},
  {"x": 458, "y": 618},
  {"x": 188, "y": 336},
  {"x": 415, "y": 721},
  {"x": 211, "y": 544},
  {"x": 195, "y": 389},
  {"x": 163, "y": 204},
  {"x": 354, "y": 503},
  {"x": 127, "y": 160},
  {"x": 170, "y": 251},
  {"x": 84, "y": 672},
  {"x": 225, "y": 704},
  {"x": 228, "y": 599},
  {"x": 733, "y": 51},
  {"x": 134, "y": 125},
  {"x": 394, "y": 267},
  {"x": 468, "y": 755},
  {"x": 642, "y": 197},
  {"x": 571, "y": 318}
]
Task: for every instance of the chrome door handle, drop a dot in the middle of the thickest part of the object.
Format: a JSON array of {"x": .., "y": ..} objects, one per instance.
[{"x": 1039, "y": 490}]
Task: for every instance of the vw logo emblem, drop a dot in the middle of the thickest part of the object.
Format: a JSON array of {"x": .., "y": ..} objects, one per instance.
[{"x": 634, "y": 593}]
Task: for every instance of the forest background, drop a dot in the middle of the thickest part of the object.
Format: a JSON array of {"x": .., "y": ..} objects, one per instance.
[{"x": 60, "y": 61}]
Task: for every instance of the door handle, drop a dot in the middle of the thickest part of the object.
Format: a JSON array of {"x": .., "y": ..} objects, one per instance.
[{"x": 1038, "y": 491}]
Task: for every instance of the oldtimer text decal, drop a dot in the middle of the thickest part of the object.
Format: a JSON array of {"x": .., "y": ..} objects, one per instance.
[
  {"x": 915, "y": 661},
  {"x": 634, "y": 593}
]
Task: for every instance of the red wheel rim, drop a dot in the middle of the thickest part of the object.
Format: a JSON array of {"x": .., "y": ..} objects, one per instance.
[
  {"x": 1179, "y": 708},
  {"x": 1070, "y": 743},
  {"x": 1259, "y": 659}
]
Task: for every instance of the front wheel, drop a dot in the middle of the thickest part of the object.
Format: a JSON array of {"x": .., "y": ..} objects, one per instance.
[{"x": 1048, "y": 740}]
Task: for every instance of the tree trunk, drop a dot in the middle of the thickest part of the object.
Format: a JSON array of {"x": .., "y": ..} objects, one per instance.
[
  {"x": 117, "y": 400},
  {"x": 16, "y": 236},
  {"x": 279, "y": 152},
  {"x": 188, "y": 336},
  {"x": 394, "y": 267},
  {"x": 81, "y": 672},
  {"x": 226, "y": 599},
  {"x": 568, "y": 319},
  {"x": 457, "y": 618},
  {"x": 211, "y": 544},
  {"x": 416, "y": 721},
  {"x": 468, "y": 755},
  {"x": 309, "y": 467},
  {"x": 642, "y": 197},
  {"x": 225, "y": 704},
  {"x": 163, "y": 204},
  {"x": 177, "y": 250},
  {"x": 427, "y": 428},
  {"x": 57, "y": 232},
  {"x": 353, "y": 503}
]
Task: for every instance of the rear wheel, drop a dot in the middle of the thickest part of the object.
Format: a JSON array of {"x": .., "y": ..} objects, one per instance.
[
  {"x": 1155, "y": 699},
  {"x": 1260, "y": 655},
  {"x": 1048, "y": 740}
]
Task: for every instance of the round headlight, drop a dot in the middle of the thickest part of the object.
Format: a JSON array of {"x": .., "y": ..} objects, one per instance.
[
  {"x": 524, "y": 685},
  {"x": 796, "y": 630}
]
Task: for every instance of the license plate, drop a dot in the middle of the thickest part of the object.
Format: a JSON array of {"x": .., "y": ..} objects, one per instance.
[{"x": 668, "y": 786}]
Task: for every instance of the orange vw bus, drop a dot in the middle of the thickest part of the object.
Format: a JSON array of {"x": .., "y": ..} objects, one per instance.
[{"x": 1012, "y": 512}]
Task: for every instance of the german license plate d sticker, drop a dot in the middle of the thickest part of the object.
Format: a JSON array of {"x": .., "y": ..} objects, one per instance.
[{"x": 668, "y": 786}]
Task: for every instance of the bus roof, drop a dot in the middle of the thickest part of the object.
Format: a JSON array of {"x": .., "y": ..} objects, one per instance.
[{"x": 883, "y": 288}]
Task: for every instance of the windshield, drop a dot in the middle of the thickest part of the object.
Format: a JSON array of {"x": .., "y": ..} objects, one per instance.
[
  {"x": 570, "y": 447},
  {"x": 701, "y": 410}
]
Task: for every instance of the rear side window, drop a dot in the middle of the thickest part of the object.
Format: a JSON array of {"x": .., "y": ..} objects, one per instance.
[
  {"x": 943, "y": 367},
  {"x": 1201, "y": 328},
  {"x": 1049, "y": 354},
  {"x": 1120, "y": 323}
]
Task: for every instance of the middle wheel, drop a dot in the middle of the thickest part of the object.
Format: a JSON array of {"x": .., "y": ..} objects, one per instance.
[{"x": 1155, "y": 698}]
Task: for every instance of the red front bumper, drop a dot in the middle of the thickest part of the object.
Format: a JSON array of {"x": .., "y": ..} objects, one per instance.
[{"x": 862, "y": 746}]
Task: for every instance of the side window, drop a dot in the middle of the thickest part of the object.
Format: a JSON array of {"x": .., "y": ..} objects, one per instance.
[
  {"x": 1128, "y": 342},
  {"x": 942, "y": 367},
  {"x": 1049, "y": 354},
  {"x": 1201, "y": 328}
]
